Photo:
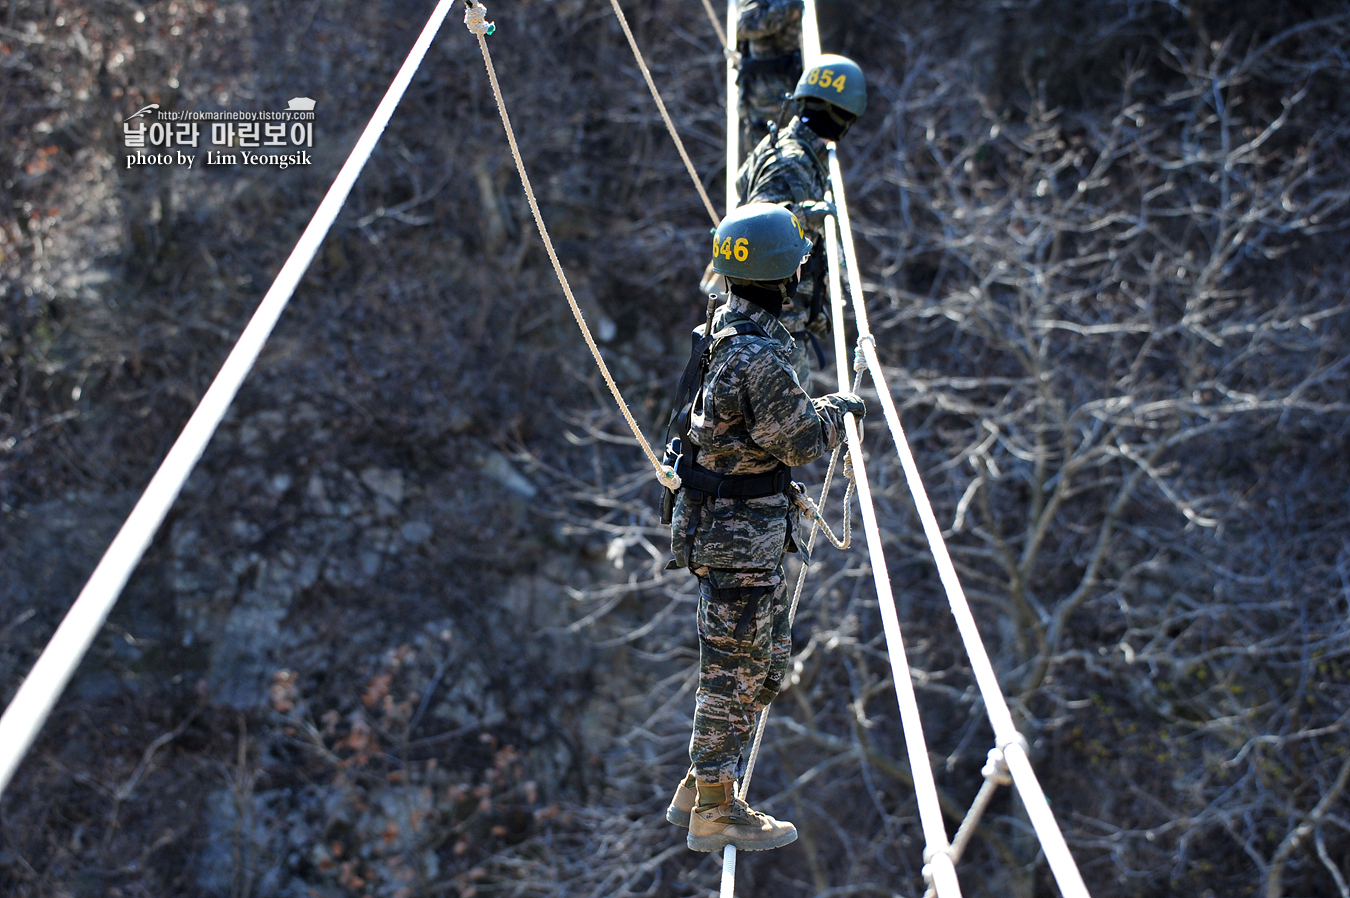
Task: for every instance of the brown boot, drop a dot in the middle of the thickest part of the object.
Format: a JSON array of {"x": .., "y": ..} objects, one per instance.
[
  {"x": 686, "y": 796},
  {"x": 720, "y": 819}
]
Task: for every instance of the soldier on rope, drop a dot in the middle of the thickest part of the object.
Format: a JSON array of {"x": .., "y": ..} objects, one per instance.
[
  {"x": 769, "y": 40},
  {"x": 742, "y": 418},
  {"x": 788, "y": 166}
]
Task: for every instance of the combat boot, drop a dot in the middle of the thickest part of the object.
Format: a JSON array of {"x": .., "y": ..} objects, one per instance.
[
  {"x": 686, "y": 796},
  {"x": 720, "y": 819}
]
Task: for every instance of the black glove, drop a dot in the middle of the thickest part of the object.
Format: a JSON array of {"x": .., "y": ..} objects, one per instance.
[{"x": 849, "y": 403}]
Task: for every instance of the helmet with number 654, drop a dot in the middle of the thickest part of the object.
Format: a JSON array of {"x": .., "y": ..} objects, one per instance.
[
  {"x": 837, "y": 80},
  {"x": 759, "y": 242}
]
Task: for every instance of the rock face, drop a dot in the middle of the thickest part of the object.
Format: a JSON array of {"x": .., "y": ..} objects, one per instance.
[{"x": 279, "y": 589}]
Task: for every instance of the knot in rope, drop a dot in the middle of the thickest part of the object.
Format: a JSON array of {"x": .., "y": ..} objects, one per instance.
[
  {"x": 669, "y": 479},
  {"x": 859, "y": 359},
  {"x": 475, "y": 19},
  {"x": 1015, "y": 739},
  {"x": 806, "y": 506},
  {"x": 996, "y": 768}
]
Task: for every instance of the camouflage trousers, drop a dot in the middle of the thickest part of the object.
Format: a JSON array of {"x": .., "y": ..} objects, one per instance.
[{"x": 744, "y": 643}]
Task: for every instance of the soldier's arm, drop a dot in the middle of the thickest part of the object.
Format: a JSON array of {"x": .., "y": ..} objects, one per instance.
[
  {"x": 765, "y": 18},
  {"x": 782, "y": 419}
]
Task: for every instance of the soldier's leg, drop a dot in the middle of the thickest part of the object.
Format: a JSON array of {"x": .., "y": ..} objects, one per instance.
[
  {"x": 736, "y": 653},
  {"x": 780, "y": 646},
  {"x": 733, "y": 667}
]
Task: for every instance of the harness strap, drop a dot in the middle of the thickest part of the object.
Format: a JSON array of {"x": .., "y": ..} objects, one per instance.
[
  {"x": 815, "y": 345},
  {"x": 750, "y": 595}
]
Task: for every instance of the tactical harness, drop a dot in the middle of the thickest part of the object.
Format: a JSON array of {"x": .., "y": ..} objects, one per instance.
[
  {"x": 750, "y": 595},
  {"x": 699, "y": 483}
]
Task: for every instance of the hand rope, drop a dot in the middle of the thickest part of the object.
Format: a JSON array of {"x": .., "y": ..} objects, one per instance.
[
  {"x": 817, "y": 523},
  {"x": 665, "y": 116},
  {"x": 1007, "y": 738},
  {"x": 733, "y": 159},
  {"x": 475, "y": 19},
  {"x": 49, "y": 675}
]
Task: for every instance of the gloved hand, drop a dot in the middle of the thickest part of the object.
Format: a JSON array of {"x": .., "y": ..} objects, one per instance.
[
  {"x": 812, "y": 213},
  {"x": 821, "y": 325},
  {"x": 849, "y": 403}
]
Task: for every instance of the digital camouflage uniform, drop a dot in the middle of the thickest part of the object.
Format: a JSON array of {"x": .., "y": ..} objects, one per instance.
[
  {"x": 769, "y": 33},
  {"x": 753, "y": 415},
  {"x": 788, "y": 167}
]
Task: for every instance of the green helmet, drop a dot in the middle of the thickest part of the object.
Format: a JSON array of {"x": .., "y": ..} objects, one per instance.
[
  {"x": 759, "y": 242},
  {"x": 837, "y": 80}
]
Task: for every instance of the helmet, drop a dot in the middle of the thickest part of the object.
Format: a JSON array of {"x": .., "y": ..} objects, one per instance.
[
  {"x": 759, "y": 242},
  {"x": 837, "y": 80}
]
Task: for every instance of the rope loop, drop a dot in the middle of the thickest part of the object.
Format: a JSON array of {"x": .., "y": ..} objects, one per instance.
[
  {"x": 475, "y": 18},
  {"x": 807, "y": 506},
  {"x": 669, "y": 479}
]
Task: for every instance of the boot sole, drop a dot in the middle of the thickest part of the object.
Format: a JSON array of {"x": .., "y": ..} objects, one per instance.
[
  {"x": 721, "y": 840},
  {"x": 678, "y": 817}
]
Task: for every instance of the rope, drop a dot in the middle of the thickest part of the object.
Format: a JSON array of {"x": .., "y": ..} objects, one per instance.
[
  {"x": 475, "y": 19},
  {"x": 1007, "y": 739},
  {"x": 33, "y": 702},
  {"x": 733, "y": 102},
  {"x": 817, "y": 524},
  {"x": 717, "y": 26},
  {"x": 665, "y": 116}
]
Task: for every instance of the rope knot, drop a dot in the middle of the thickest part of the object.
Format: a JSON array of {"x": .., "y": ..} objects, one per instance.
[
  {"x": 669, "y": 479},
  {"x": 475, "y": 19},
  {"x": 859, "y": 359},
  {"x": 996, "y": 768}
]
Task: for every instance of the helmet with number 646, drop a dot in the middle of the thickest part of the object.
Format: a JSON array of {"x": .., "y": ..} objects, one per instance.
[
  {"x": 837, "y": 80},
  {"x": 759, "y": 242}
]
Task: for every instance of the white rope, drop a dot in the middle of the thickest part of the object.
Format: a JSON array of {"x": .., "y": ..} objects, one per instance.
[
  {"x": 665, "y": 116},
  {"x": 733, "y": 112},
  {"x": 817, "y": 525},
  {"x": 1008, "y": 739},
  {"x": 475, "y": 19},
  {"x": 44, "y": 683},
  {"x": 810, "y": 35},
  {"x": 732, "y": 163}
]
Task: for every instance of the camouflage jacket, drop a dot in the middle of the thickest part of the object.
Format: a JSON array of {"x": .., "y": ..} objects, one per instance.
[
  {"x": 788, "y": 168},
  {"x": 772, "y": 27},
  {"x": 750, "y": 415}
]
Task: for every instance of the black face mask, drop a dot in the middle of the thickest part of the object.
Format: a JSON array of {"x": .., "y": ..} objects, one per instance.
[
  {"x": 826, "y": 121},
  {"x": 770, "y": 299}
]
